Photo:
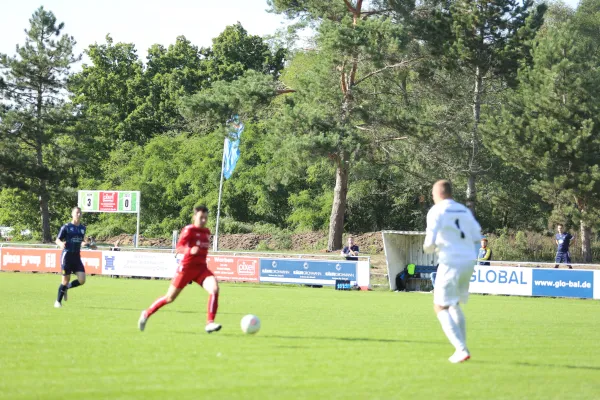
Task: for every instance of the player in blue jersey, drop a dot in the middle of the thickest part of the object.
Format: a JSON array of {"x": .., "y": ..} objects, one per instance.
[
  {"x": 70, "y": 238},
  {"x": 563, "y": 241}
]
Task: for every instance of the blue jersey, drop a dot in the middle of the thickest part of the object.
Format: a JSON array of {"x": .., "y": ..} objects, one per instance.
[
  {"x": 564, "y": 240},
  {"x": 73, "y": 236}
]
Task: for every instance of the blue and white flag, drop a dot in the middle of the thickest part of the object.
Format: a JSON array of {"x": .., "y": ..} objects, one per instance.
[{"x": 231, "y": 149}]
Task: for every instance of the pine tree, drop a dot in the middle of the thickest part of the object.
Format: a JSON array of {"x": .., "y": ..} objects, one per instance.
[
  {"x": 34, "y": 93},
  {"x": 349, "y": 97},
  {"x": 484, "y": 41},
  {"x": 550, "y": 126}
]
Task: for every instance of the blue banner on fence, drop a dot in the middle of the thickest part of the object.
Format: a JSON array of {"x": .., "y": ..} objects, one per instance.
[
  {"x": 552, "y": 282},
  {"x": 316, "y": 272}
]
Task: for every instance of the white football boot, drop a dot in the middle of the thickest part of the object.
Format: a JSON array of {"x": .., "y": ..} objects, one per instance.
[
  {"x": 142, "y": 321},
  {"x": 212, "y": 327},
  {"x": 459, "y": 356}
]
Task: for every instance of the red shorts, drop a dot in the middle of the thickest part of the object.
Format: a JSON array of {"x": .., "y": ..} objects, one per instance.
[{"x": 187, "y": 275}]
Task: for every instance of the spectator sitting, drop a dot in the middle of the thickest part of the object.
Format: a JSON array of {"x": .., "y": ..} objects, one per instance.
[
  {"x": 351, "y": 250},
  {"x": 485, "y": 253},
  {"x": 90, "y": 243},
  {"x": 116, "y": 248}
]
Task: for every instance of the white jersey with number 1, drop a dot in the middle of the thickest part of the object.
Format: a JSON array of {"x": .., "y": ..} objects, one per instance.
[{"x": 453, "y": 232}]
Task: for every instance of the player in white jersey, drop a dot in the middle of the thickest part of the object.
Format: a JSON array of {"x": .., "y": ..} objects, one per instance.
[{"x": 452, "y": 232}]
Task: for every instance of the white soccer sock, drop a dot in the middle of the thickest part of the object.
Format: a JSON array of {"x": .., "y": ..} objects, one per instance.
[
  {"x": 452, "y": 330},
  {"x": 459, "y": 318}
]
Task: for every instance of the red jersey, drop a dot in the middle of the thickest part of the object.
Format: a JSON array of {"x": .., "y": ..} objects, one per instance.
[{"x": 192, "y": 236}]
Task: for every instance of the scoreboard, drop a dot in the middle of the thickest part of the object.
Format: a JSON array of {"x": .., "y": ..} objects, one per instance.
[{"x": 109, "y": 201}]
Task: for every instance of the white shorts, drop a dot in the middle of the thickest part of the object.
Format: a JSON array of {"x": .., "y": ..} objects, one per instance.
[{"x": 452, "y": 284}]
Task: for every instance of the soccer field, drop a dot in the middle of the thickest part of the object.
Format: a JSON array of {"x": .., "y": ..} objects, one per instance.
[{"x": 314, "y": 343}]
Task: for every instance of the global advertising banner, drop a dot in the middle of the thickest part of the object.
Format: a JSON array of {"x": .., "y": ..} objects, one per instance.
[
  {"x": 232, "y": 268},
  {"x": 156, "y": 265},
  {"x": 44, "y": 260},
  {"x": 563, "y": 283},
  {"x": 316, "y": 272},
  {"x": 501, "y": 280}
]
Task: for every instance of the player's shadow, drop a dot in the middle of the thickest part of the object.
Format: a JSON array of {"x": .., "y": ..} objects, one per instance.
[
  {"x": 164, "y": 310},
  {"x": 350, "y": 339},
  {"x": 535, "y": 365},
  {"x": 337, "y": 338}
]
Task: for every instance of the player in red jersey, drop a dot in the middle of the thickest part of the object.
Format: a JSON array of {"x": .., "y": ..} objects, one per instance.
[{"x": 193, "y": 244}]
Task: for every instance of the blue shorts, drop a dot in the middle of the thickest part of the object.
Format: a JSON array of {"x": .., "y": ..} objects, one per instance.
[
  {"x": 70, "y": 263},
  {"x": 563, "y": 258}
]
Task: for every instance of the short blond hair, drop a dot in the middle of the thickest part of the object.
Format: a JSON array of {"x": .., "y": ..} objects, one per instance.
[{"x": 445, "y": 187}]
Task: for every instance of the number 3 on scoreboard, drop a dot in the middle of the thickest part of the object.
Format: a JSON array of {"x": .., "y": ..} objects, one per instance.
[{"x": 89, "y": 201}]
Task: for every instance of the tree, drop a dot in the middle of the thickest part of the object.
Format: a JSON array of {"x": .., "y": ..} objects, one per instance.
[
  {"x": 126, "y": 101},
  {"x": 234, "y": 51},
  {"x": 109, "y": 93},
  {"x": 35, "y": 83},
  {"x": 550, "y": 125},
  {"x": 340, "y": 106},
  {"x": 172, "y": 73},
  {"x": 485, "y": 42}
]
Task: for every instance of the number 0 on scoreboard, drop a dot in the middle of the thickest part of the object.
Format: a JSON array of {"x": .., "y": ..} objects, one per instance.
[{"x": 126, "y": 201}]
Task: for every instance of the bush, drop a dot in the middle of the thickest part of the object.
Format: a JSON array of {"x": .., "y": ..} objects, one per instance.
[
  {"x": 263, "y": 246},
  {"x": 532, "y": 246},
  {"x": 281, "y": 241},
  {"x": 229, "y": 225}
]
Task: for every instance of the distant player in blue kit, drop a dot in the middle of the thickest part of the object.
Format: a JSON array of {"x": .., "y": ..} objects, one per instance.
[
  {"x": 563, "y": 241},
  {"x": 70, "y": 238}
]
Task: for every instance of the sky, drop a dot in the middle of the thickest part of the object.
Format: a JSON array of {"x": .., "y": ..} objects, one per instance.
[{"x": 142, "y": 22}]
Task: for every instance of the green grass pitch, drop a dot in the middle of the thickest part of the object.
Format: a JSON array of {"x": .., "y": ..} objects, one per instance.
[{"x": 314, "y": 344}]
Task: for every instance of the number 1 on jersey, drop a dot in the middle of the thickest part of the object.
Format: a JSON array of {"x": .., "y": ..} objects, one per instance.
[{"x": 462, "y": 234}]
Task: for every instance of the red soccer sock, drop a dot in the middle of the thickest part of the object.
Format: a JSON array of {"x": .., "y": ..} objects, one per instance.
[
  {"x": 213, "y": 304},
  {"x": 161, "y": 301}
]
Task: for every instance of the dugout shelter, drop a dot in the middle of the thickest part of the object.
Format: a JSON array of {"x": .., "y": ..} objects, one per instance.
[{"x": 402, "y": 248}]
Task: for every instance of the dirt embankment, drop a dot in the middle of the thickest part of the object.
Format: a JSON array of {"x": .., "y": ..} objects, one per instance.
[{"x": 369, "y": 243}]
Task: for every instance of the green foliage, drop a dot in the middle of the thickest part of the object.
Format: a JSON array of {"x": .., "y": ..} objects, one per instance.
[
  {"x": 173, "y": 172},
  {"x": 348, "y": 134},
  {"x": 309, "y": 212},
  {"x": 36, "y": 124},
  {"x": 234, "y": 52},
  {"x": 212, "y": 107},
  {"x": 475, "y": 48},
  {"x": 109, "y": 91},
  {"x": 532, "y": 247},
  {"x": 549, "y": 126},
  {"x": 18, "y": 209}
]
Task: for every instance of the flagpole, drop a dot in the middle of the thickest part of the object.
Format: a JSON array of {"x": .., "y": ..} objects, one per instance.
[{"x": 216, "y": 239}]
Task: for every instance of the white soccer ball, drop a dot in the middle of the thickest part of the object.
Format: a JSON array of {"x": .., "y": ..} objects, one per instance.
[{"x": 250, "y": 324}]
